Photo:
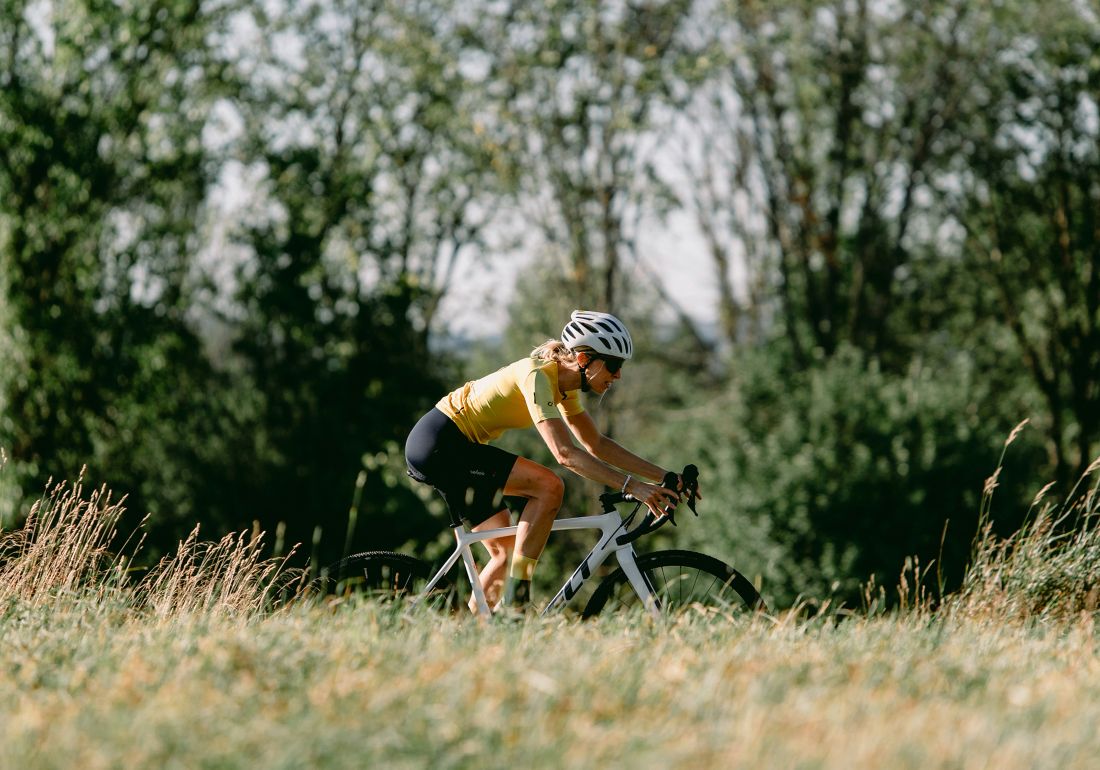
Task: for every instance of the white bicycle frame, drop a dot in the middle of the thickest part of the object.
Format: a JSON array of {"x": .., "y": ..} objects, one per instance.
[{"x": 610, "y": 525}]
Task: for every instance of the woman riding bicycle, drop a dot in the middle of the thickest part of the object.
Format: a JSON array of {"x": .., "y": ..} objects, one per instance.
[{"x": 448, "y": 448}]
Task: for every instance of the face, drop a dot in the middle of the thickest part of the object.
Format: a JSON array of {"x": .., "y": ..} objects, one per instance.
[{"x": 602, "y": 372}]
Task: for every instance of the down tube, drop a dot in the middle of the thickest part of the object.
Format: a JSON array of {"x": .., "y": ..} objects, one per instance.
[{"x": 591, "y": 563}]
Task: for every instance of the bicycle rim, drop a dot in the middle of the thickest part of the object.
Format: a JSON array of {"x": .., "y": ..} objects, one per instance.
[
  {"x": 684, "y": 582},
  {"x": 391, "y": 578}
]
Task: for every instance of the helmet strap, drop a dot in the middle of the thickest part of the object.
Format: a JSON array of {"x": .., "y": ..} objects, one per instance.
[{"x": 585, "y": 387}]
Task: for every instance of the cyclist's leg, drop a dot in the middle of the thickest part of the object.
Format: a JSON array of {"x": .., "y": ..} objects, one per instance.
[
  {"x": 500, "y": 549},
  {"x": 544, "y": 491}
]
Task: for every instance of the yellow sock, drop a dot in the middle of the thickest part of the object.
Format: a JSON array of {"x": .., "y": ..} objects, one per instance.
[{"x": 522, "y": 567}]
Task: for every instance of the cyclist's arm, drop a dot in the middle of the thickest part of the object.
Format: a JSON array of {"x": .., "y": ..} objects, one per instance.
[
  {"x": 572, "y": 457},
  {"x": 599, "y": 445}
]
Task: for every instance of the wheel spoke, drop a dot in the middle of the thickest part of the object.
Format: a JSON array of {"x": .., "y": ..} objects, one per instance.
[{"x": 694, "y": 583}]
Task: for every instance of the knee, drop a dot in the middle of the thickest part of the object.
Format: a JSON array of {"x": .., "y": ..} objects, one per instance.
[
  {"x": 500, "y": 548},
  {"x": 551, "y": 488}
]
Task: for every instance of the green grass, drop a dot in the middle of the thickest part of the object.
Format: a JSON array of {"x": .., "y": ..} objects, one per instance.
[{"x": 197, "y": 665}]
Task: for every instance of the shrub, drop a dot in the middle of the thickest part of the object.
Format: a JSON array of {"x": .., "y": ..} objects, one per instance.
[{"x": 820, "y": 479}]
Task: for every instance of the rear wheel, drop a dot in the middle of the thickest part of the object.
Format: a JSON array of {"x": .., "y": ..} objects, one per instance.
[
  {"x": 390, "y": 577},
  {"x": 682, "y": 581}
]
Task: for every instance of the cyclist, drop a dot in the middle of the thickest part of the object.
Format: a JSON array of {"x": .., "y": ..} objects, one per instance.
[{"x": 449, "y": 446}]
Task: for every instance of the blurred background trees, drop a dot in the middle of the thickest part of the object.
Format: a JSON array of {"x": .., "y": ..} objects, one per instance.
[{"x": 230, "y": 234}]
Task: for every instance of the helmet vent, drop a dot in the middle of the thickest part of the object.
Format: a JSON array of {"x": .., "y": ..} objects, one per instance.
[{"x": 598, "y": 332}]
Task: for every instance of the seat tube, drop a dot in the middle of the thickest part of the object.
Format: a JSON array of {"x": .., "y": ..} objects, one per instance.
[{"x": 471, "y": 572}]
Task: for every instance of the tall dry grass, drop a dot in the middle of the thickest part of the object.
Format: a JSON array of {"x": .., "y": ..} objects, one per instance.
[
  {"x": 69, "y": 550},
  {"x": 230, "y": 578},
  {"x": 1049, "y": 569},
  {"x": 63, "y": 549}
]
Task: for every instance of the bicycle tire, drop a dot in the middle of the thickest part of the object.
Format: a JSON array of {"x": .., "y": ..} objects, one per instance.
[
  {"x": 683, "y": 581},
  {"x": 391, "y": 577}
]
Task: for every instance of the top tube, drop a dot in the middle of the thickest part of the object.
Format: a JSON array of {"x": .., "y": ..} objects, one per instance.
[{"x": 600, "y": 521}]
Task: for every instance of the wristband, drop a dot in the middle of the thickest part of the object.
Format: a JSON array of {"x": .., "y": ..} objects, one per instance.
[{"x": 625, "y": 483}]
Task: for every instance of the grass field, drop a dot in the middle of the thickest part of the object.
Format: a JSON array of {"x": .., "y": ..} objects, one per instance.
[
  {"x": 89, "y": 687},
  {"x": 194, "y": 666}
]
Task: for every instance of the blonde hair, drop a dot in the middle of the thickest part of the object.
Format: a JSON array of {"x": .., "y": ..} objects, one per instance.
[{"x": 554, "y": 350}]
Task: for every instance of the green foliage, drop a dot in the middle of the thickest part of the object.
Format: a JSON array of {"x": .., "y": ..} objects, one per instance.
[
  {"x": 102, "y": 107},
  {"x": 835, "y": 118},
  {"x": 109, "y": 302},
  {"x": 576, "y": 90},
  {"x": 909, "y": 189},
  {"x": 818, "y": 479},
  {"x": 1028, "y": 205},
  {"x": 371, "y": 168}
]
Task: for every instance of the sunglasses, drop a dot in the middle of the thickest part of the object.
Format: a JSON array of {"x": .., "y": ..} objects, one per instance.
[{"x": 613, "y": 364}]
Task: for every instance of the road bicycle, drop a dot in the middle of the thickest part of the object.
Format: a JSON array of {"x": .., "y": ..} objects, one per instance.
[{"x": 661, "y": 583}]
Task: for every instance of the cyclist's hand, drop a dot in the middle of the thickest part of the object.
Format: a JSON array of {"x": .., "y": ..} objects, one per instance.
[{"x": 655, "y": 497}]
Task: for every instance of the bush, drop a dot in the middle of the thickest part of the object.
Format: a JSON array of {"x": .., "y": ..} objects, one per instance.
[{"x": 820, "y": 479}]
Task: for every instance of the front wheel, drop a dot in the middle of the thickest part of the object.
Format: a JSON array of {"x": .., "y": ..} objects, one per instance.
[{"x": 682, "y": 581}]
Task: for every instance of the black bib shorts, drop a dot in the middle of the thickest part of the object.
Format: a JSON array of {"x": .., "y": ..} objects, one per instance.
[{"x": 469, "y": 476}]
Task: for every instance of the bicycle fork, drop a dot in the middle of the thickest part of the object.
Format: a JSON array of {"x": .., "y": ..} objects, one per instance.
[{"x": 639, "y": 581}]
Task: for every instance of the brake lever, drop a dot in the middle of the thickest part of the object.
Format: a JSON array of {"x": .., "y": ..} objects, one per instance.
[{"x": 691, "y": 486}]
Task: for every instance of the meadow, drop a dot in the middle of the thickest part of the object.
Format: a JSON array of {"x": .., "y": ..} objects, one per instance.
[{"x": 215, "y": 658}]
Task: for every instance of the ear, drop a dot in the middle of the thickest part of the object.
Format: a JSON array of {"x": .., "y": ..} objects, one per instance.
[{"x": 583, "y": 358}]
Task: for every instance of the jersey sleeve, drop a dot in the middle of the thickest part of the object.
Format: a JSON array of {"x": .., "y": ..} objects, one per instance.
[
  {"x": 538, "y": 394},
  {"x": 571, "y": 404}
]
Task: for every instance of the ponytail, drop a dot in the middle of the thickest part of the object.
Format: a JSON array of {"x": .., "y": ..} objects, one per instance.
[{"x": 554, "y": 350}]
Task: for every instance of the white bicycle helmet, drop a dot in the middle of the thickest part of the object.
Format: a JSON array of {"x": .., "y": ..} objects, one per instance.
[{"x": 599, "y": 333}]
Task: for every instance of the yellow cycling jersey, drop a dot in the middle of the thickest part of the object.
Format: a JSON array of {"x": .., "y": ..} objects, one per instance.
[{"x": 518, "y": 395}]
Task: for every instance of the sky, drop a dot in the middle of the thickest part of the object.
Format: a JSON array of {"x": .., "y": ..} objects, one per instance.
[{"x": 476, "y": 306}]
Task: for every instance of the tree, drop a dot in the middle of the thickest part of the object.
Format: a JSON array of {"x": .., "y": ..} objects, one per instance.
[
  {"x": 577, "y": 86},
  {"x": 1029, "y": 202},
  {"x": 372, "y": 185},
  {"x": 819, "y": 133},
  {"x": 102, "y": 179}
]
